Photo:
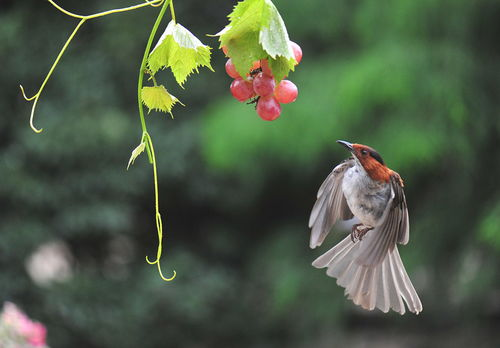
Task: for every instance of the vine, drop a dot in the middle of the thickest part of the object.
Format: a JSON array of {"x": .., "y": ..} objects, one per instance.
[
  {"x": 146, "y": 138},
  {"x": 83, "y": 19},
  {"x": 142, "y": 69},
  {"x": 256, "y": 34}
]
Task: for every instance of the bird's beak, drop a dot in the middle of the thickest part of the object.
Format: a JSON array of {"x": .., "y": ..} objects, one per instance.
[{"x": 347, "y": 144}]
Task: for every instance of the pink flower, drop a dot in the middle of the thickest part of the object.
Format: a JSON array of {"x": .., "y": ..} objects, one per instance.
[
  {"x": 34, "y": 333},
  {"x": 37, "y": 334},
  {"x": 13, "y": 316}
]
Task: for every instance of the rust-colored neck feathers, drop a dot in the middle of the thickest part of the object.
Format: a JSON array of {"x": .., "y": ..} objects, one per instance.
[
  {"x": 375, "y": 170},
  {"x": 372, "y": 163}
]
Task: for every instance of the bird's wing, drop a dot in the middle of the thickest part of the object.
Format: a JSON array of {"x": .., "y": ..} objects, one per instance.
[
  {"x": 330, "y": 205},
  {"x": 399, "y": 203},
  {"x": 395, "y": 227}
]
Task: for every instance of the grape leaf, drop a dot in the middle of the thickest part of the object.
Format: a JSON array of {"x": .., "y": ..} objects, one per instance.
[
  {"x": 179, "y": 50},
  {"x": 135, "y": 153},
  {"x": 274, "y": 37},
  {"x": 158, "y": 98},
  {"x": 257, "y": 31},
  {"x": 280, "y": 67}
]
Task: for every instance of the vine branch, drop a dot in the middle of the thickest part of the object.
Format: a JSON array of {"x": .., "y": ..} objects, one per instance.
[
  {"x": 153, "y": 3},
  {"x": 172, "y": 11},
  {"x": 83, "y": 19},
  {"x": 142, "y": 71},
  {"x": 146, "y": 139},
  {"x": 159, "y": 224},
  {"x": 149, "y": 143}
]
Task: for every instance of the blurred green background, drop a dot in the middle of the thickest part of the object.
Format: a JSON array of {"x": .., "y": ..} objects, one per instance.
[{"x": 417, "y": 80}]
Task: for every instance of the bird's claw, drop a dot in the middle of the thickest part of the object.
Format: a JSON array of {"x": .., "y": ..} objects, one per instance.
[
  {"x": 354, "y": 232},
  {"x": 358, "y": 233}
]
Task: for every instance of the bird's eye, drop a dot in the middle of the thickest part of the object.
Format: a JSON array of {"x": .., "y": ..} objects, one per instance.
[{"x": 364, "y": 152}]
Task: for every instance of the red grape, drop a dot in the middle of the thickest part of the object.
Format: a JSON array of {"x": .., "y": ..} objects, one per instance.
[
  {"x": 286, "y": 92},
  {"x": 231, "y": 69},
  {"x": 242, "y": 89},
  {"x": 268, "y": 108},
  {"x": 263, "y": 85},
  {"x": 297, "y": 51}
]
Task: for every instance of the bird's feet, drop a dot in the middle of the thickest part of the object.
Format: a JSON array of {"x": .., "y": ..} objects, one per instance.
[{"x": 358, "y": 231}]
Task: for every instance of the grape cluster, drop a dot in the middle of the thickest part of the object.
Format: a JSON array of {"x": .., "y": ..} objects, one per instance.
[{"x": 260, "y": 86}]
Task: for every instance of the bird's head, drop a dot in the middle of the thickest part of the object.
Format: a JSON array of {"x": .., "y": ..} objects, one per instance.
[{"x": 369, "y": 159}]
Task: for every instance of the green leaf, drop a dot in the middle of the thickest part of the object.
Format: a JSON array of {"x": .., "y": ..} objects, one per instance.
[
  {"x": 244, "y": 51},
  {"x": 179, "y": 50},
  {"x": 257, "y": 31},
  {"x": 158, "y": 98},
  {"x": 280, "y": 67},
  {"x": 274, "y": 37},
  {"x": 135, "y": 153}
]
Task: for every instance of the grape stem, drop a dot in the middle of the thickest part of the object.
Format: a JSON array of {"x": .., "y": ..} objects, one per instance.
[
  {"x": 254, "y": 101},
  {"x": 172, "y": 11},
  {"x": 83, "y": 19}
]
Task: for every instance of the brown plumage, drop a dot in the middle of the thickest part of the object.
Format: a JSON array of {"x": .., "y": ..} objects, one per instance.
[{"x": 374, "y": 168}]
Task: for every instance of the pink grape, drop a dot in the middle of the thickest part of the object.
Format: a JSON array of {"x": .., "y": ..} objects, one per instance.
[
  {"x": 268, "y": 108},
  {"x": 297, "y": 51},
  {"x": 286, "y": 92},
  {"x": 263, "y": 85},
  {"x": 231, "y": 69},
  {"x": 242, "y": 89}
]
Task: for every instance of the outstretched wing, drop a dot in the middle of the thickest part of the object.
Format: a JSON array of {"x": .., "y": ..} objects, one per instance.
[
  {"x": 399, "y": 204},
  {"x": 330, "y": 205},
  {"x": 394, "y": 229}
]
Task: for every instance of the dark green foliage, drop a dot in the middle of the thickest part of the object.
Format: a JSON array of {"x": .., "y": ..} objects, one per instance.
[{"x": 417, "y": 80}]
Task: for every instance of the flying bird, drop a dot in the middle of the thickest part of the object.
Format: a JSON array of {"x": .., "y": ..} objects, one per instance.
[{"x": 367, "y": 262}]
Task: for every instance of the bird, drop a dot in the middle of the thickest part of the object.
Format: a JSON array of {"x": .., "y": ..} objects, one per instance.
[{"x": 366, "y": 262}]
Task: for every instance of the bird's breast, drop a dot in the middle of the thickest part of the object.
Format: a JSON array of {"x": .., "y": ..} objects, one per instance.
[{"x": 366, "y": 198}]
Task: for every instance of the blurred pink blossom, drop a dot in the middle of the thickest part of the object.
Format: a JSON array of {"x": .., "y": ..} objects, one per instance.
[
  {"x": 34, "y": 332},
  {"x": 11, "y": 315},
  {"x": 18, "y": 323}
]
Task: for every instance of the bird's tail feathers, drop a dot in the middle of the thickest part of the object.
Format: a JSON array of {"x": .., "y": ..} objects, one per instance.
[{"x": 384, "y": 285}]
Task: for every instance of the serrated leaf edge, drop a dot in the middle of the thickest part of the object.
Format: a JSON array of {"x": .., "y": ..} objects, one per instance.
[
  {"x": 170, "y": 30},
  {"x": 175, "y": 100}
]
